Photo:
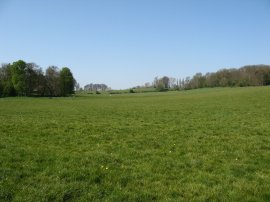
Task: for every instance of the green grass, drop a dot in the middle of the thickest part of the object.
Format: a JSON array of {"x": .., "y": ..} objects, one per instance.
[
  {"x": 144, "y": 90},
  {"x": 209, "y": 144},
  {"x": 135, "y": 90}
]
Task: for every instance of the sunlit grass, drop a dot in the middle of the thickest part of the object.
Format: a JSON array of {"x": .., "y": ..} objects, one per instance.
[{"x": 209, "y": 144}]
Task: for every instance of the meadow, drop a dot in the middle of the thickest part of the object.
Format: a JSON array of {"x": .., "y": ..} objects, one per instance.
[{"x": 197, "y": 145}]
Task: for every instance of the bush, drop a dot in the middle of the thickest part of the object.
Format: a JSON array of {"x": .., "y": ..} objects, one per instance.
[{"x": 163, "y": 90}]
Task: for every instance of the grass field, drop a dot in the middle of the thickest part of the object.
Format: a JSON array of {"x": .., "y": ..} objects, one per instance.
[{"x": 209, "y": 144}]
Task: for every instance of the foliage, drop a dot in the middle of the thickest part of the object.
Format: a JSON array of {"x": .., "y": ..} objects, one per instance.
[
  {"x": 96, "y": 87},
  {"x": 135, "y": 90},
  {"x": 19, "y": 77},
  {"x": 144, "y": 90},
  {"x": 162, "y": 84},
  {"x": 253, "y": 75},
  {"x": 197, "y": 145},
  {"x": 52, "y": 77},
  {"x": 6, "y": 81},
  {"x": 118, "y": 91},
  {"x": 27, "y": 79},
  {"x": 67, "y": 82}
]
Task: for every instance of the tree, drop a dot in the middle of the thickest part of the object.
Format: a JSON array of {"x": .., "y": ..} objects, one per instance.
[
  {"x": 6, "y": 81},
  {"x": 40, "y": 88},
  {"x": 160, "y": 85},
  {"x": 28, "y": 79},
  {"x": 19, "y": 77},
  {"x": 187, "y": 85},
  {"x": 52, "y": 78},
  {"x": 147, "y": 85},
  {"x": 67, "y": 82},
  {"x": 77, "y": 86},
  {"x": 166, "y": 81},
  {"x": 155, "y": 82},
  {"x": 34, "y": 80},
  {"x": 173, "y": 83},
  {"x": 1, "y": 88},
  {"x": 96, "y": 87}
]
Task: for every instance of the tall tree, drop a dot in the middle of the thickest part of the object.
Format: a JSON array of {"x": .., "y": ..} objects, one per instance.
[
  {"x": 67, "y": 81},
  {"x": 6, "y": 80},
  {"x": 40, "y": 88},
  {"x": 32, "y": 78},
  {"x": 165, "y": 81},
  {"x": 19, "y": 77},
  {"x": 52, "y": 77}
]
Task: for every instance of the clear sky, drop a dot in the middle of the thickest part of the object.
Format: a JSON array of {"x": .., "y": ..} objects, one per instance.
[{"x": 124, "y": 43}]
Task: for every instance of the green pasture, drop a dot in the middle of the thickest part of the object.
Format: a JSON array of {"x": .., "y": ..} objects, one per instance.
[{"x": 198, "y": 145}]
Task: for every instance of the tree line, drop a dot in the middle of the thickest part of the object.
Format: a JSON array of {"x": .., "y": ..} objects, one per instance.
[
  {"x": 96, "y": 87},
  {"x": 250, "y": 75},
  {"x": 28, "y": 79}
]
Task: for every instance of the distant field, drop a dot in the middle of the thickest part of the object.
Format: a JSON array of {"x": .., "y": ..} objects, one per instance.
[
  {"x": 209, "y": 144},
  {"x": 135, "y": 90}
]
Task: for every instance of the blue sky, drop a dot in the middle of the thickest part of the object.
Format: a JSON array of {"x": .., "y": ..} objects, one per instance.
[{"x": 125, "y": 43}]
